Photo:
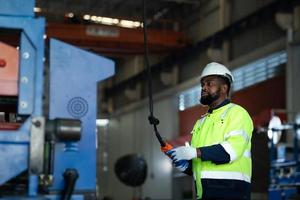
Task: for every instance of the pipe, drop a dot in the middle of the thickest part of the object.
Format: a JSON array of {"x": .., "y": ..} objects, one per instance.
[{"x": 70, "y": 176}]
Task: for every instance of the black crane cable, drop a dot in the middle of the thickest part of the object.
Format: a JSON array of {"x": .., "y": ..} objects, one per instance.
[{"x": 154, "y": 121}]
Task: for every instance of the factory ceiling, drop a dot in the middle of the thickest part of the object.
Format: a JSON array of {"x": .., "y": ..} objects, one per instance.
[
  {"x": 129, "y": 9},
  {"x": 78, "y": 22}
]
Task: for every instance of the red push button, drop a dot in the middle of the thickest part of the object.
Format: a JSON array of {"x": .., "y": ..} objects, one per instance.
[{"x": 2, "y": 63}]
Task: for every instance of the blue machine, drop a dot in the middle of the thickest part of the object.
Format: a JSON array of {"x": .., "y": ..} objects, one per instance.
[
  {"x": 285, "y": 166},
  {"x": 73, "y": 87},
  {"x": 53, "y": 156}
]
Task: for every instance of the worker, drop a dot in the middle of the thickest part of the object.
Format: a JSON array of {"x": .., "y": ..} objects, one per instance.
[{"x": 219, "y": 156}]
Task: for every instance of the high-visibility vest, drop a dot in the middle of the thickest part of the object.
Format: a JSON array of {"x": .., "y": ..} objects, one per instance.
[{"x": 231, "y": 126}]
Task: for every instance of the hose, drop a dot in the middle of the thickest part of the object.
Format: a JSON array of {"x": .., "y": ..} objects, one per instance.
[{"x": 152, "y": 119}]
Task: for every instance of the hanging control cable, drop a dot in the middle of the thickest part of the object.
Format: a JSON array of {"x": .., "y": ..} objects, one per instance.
[{"x": 152, "y": 119}]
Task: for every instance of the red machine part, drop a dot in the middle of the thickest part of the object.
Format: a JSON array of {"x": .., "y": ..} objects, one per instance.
[
  {"x": 9, "y": 70},
  {"x": 9, "y": 126},
  {"x": 111, "y": 40},
  {"x": 2, "y": 63},
  {"x": 166, "y": 148}
]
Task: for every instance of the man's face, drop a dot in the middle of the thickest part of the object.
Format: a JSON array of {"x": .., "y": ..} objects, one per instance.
[{"x": 211, "y": 90}]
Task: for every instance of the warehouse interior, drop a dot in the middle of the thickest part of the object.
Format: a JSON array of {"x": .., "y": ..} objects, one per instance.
[{"x": 74, "y": 93}]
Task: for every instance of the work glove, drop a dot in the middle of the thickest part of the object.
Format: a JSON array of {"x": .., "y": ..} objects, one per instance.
[
  {"x": 182, "y": 153},
  {"x": 181, "y": 165}
]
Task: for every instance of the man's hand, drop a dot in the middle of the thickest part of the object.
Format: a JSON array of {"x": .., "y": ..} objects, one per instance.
[
  {"x": 181, "y": 165},
  {"x": 182, "y": 153}
]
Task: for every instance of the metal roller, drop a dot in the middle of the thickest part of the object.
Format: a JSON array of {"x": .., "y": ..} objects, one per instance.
[
  {"x": 276, "y": 127},
  {"x": 64, "y": 129}
]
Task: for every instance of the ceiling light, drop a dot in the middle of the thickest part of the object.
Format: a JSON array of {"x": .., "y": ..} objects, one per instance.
[
  {"x": 137, "y": 24},
  {"x": 70, "y": 15},
  {"x": 112, "y": 21},
  {"x": 86, "y": 17},
  {"x": 126, "y": 23},
  {"x": 94, "y": 18},
  {"x": 99, "y": 19},
  {"x": 116, "y": 21},
  {"x": 107, "y": 20},
  {"x": 37, "y": 9}
]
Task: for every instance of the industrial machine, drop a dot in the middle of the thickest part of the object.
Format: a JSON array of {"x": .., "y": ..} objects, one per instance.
[
  {"x": 46, "y": 153},
  {"x": 284, "y": 159}
]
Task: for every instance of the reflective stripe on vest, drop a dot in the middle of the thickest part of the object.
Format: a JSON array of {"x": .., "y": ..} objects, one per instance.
[
  {"x": 202, "y": 120},
  {"x": 226, "y": 111},
  {"x": 238, "y": 132},
  {"x": 225, "y": 175},
  {"x": 228, "y": 148},
  {"x": 247, "y": 154}
]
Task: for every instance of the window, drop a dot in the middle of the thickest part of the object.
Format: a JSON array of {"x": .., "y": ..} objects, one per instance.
[
  {"x": 189, "y": 98},
  {"x": 258, "y": 71}
]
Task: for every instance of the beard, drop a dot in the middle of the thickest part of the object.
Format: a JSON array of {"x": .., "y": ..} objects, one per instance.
[{"x": 210, "y": 98}]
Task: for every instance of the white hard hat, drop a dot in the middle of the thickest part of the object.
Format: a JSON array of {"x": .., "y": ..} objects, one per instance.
[{"x": 214, "y": 68}]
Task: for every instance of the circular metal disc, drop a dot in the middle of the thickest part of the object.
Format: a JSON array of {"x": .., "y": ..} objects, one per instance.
[
  {"x": 274, "y": 132},
  {"x": 298, "y": 122}
]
